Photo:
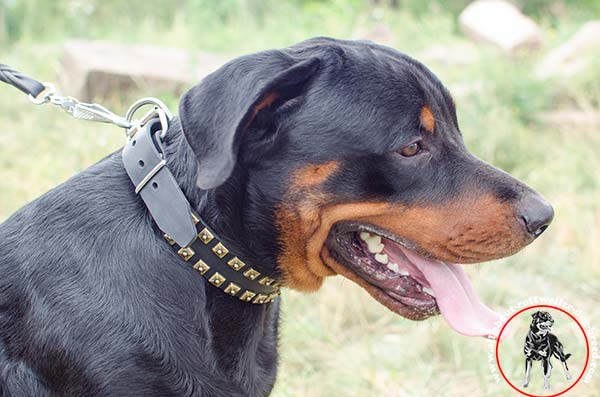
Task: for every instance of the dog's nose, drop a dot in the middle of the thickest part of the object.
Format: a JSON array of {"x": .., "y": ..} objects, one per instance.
[{"x": 536, "y": 213}]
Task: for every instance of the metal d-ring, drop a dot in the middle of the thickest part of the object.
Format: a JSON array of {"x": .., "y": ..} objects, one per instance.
[{"x": 160, "y": 109}]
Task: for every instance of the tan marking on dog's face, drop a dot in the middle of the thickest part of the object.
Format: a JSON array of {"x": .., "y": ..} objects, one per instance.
[
  {"x": 303, "y": 229},
  {"x": 468, "y": 230},
  {"x": 297, "y": 218},
  {"x": 426, "y": 118},
  {"x": 471, "y": 229},
  {"x": 313, "y": 174}
]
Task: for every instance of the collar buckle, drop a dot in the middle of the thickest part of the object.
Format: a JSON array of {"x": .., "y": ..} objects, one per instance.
[{"x": 186, "y": 232}]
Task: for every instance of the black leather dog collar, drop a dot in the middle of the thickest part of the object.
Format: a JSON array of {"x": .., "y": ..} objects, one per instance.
[
  {"x": 224, "y": 270},
  {"x": 193, "y": 239}
]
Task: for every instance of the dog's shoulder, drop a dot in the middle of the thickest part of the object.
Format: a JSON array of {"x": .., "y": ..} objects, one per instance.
[
  {"x": 89, "y": 288},
  {"x": 52, "y": 236}
]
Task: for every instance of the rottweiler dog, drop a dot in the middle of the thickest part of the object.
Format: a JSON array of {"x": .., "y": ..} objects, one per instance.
[
  {"x": 328, "y": 157},
  {"x": 541, "y": 345}
]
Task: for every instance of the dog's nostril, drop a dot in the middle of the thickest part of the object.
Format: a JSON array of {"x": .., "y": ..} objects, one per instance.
[
  {"x": 541, "y": 230},
  {"x": 536, "y": 213},
  {"x": 537, "y": 226},
  {"x": 535, "y": 232}
]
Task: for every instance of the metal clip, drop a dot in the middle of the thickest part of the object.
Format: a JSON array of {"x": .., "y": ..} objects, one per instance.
[
  {"x": 95, "y": 112},
  {"x": 89, "y": 111}
]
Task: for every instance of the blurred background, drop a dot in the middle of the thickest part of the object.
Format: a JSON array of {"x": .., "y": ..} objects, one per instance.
[{"x": 526, "y": 79}]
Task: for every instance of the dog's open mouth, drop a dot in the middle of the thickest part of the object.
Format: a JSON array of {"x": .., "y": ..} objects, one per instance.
[{"x": 409, "y": 283}]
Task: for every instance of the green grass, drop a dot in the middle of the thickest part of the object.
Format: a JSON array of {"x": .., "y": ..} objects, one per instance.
[{"x": 339, "y": 341}]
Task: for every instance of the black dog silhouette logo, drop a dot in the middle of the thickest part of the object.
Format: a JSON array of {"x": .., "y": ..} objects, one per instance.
[
  {"x": 537, "y": 338},
  {"x": 541, "y": 345}
]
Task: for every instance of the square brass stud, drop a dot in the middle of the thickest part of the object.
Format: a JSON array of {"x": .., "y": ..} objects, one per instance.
[
  {"x": 247, "y": 296},
  {"x": 232, "y": 289},
  {"x": 266, "y": 281},
  {"x": 205, "y": 236},
  {"x": 236, "y": 264},
  {"x": 220, "y": 250},
  {"x": 195, "y": 219},
  {"x": 186, "y": 253},
  {"x": 251, "y": 274},
  {"x": 216, "y": 279},
  {"x": 260, "y": 299},
  {"x": 201, "y": 266},
  {"x": 169, "y": 239}
]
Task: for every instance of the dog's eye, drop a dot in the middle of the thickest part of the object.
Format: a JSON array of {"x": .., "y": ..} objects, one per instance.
[{"x": 411, "y": 149}]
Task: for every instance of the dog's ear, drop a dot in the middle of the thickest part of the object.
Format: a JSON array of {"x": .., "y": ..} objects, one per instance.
[
  {"x": 536, "y": 314},
  {"x": 215, "y": 113}
]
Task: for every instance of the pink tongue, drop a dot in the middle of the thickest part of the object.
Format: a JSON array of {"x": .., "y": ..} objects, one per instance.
[{"x": 455, "y": 297}]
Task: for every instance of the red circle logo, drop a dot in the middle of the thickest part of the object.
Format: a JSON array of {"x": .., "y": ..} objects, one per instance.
[{"x": 533, "y": 342}]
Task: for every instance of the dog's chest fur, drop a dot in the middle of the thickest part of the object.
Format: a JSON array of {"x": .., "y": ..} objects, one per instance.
[
  {"x": 539, "y": 342},
  {"x": 94, "y": 302}
]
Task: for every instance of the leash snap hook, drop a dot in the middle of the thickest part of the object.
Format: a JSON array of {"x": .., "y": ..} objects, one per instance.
[{"x": 78, "y": 109}]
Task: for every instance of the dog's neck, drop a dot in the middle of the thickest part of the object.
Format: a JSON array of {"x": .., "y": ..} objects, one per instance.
[{"x": 233, "y": 322}]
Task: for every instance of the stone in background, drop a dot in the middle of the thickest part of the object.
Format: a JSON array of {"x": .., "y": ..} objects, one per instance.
[
  {"x": 500, "y": 23},
  {"x": 95, "y": 69},
  {"x": 575, "y": 55}
]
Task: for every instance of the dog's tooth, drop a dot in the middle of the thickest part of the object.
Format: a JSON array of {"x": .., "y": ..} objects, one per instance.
[
  {"x": 404, "y": 273},
  {"x": 373, "y": 242},
  {"x": 429, "y": 291},
  {"x": 375, "y": 238},
  {"x": 365, "y": 236},
  {"x": 381, "y": 258},
  {"x": 374, "y": 247},
  {"x": 393, "y": 267}
]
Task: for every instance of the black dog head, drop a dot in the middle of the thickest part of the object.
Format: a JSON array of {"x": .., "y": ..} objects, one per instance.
[
  {"x": 327, "y": 139},
  {"x": 542, "y": 322}
]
